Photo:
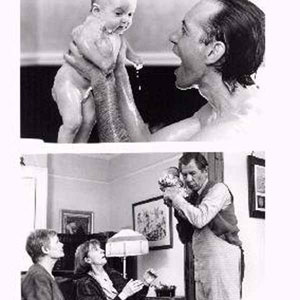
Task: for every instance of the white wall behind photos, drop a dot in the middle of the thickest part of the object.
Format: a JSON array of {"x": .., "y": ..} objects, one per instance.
[
  {"x": 78, "y": 183},
  {"x": 109, "y": 187},
  {"x": 252, "y": 230}
]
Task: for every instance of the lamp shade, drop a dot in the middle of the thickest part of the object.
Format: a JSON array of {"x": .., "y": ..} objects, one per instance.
[{"x": 126, "y": 243}]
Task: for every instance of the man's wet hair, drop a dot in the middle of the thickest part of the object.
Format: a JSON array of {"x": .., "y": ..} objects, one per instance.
[{"x": 240, "y": 25}]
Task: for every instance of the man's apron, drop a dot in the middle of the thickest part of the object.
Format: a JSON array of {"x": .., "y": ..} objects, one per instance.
[{"x": 217, "y": 267}]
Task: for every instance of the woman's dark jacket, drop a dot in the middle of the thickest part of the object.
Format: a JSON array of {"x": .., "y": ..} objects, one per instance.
[{"x": 87, "y": 287}]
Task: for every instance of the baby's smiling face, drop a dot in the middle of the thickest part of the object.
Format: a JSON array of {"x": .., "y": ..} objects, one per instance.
[{"x": 117, "y": 15}]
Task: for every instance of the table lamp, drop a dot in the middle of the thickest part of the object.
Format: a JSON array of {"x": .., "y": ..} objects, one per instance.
[{"x": 126, "y": 243}]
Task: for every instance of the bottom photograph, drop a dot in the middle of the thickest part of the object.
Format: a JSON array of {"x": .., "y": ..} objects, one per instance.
[{"x": 143, "y": 225}]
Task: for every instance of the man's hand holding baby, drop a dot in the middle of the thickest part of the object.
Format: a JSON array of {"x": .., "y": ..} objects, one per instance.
[{"x": 98, "y": 52}]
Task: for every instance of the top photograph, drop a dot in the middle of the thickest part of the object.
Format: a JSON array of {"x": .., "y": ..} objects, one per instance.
[{"x": 106, "y": 71}]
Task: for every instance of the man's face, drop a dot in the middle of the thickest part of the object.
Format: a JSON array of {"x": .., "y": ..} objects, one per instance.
[
  {"x": 96, "y": 255},
  {"x": 189, "y": 45},
  {"x": 118, "y": 15},
  {"x": 55, "y": 248},
  {"x": 193, "y": 177}
]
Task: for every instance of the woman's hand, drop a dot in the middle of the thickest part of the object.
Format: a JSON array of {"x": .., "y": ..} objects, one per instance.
[
  {"x": 149, "y": 276},
  {"x": 132, "y": 287}
]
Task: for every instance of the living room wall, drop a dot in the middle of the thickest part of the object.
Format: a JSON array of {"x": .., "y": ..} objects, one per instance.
[
  {"x": 109, "y": 187},
  {"x": 142, "y": 184},
  {"x": 78, "y": 182}
]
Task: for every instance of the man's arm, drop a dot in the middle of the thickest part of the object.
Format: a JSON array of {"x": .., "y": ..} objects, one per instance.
[
  {"x": 128, "y": 116},
  {"x": 94, "y": 44},
  {"x": 109, "y": 123},
  {"x": 137, "y": 129},
  {"x": 217, "y": 197},
  {"x": 184, "y": 228}
]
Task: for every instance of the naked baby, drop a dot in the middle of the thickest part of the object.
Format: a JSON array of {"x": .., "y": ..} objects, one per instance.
[
  {"x": 101, "y": 31},
  {"x": 171, "y": 178}
]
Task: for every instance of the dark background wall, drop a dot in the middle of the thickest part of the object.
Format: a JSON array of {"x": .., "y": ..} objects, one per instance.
[{"x": 159, "y": 102}]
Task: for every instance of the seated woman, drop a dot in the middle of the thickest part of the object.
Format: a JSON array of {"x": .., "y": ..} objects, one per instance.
[
  {"x": 99, "y": 282},
  {"x": 44, "y": 248}
]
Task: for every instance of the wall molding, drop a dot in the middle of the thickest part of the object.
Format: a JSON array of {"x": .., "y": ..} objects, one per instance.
[
  {"x": 117, "y": 178},
  {"x": 65, "y": 177},
  {"x": 56, "y": 58},
  {"x": 145, "y": 168},
  {"x": 40, "y": 175}
]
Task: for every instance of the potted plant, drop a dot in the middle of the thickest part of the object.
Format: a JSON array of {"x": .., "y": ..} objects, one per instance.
[{"x": 164, "y": 290}]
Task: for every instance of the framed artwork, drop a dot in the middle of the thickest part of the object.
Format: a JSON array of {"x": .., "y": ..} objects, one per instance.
[
  {"x": 256, "y": 186},
  {"x": 153, "y": 219},
  {"x": 77, "y": 222}
]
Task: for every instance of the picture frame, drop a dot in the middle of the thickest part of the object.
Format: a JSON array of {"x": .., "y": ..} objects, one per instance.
[
  {"x": 76, "y": 221},
  {"x": 153, "y": 219},
  {"x": 256, "y": 187}
]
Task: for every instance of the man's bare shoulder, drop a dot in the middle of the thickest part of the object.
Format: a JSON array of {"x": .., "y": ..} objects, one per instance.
[
  {"x": 211, "y": 133},
  {"x": 180, "y": 131},
  {"x": 205, "y": 114},
  {"x": 228, "y": 131}
]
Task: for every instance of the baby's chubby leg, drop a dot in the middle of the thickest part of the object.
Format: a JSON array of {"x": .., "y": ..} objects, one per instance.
[
  {"x": 88, "y": 120},
  {"x": 68, "y": 99}
]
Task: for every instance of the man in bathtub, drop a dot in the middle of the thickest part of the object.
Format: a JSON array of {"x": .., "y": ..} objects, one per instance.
[
  {"x": 102, "y": 29},
  {"x": 221, "y": 44}
]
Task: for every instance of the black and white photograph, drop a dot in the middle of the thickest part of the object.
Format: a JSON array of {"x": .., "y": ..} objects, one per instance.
[
  {"x": 153, "y": 219},
  {"x": 76, "y": 222},
  {"x": 141, "y": 71},
  {"x": 257, "y": 186},
  {"x": 147, "y": 150},
  {"x": 203, "y": 196}
]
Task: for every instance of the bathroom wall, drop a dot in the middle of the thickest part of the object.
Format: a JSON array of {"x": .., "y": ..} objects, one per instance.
[{"x": 46, "y": 26}]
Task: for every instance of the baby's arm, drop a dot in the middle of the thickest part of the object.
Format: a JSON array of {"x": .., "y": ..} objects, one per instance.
[
  {"x": 132, "y": 56},
  {"x": 94, "y": 45}
]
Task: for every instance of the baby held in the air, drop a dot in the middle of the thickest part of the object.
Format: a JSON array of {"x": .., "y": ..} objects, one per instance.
[
  {"x": 99, "y": 40},
  {"x": 171, "y": 178}
]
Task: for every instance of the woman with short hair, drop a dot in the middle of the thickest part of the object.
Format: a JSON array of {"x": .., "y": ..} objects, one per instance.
[{"x": 44, "y": 248}]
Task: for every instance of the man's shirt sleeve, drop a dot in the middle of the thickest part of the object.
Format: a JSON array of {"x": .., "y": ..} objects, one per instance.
[{"x": 216, "y": 199}]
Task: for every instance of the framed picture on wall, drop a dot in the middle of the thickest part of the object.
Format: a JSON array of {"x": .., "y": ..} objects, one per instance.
[
  {"x": 256, "y": 186},
  {"x": 153, "y": 219},
  {"x": 77, "y": 222}
]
